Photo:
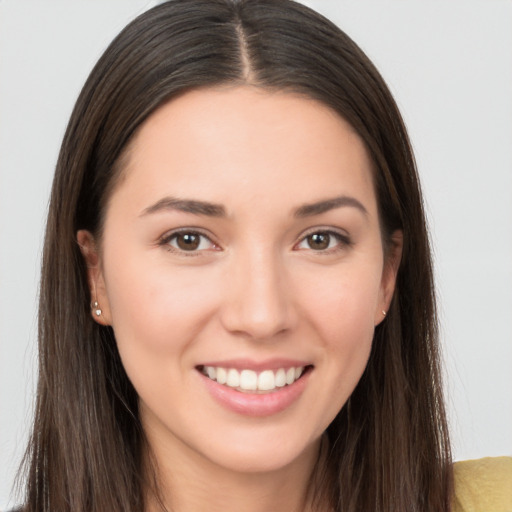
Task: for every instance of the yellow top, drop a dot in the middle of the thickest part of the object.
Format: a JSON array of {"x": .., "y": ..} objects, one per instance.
[{"x": 483, "y": 485}]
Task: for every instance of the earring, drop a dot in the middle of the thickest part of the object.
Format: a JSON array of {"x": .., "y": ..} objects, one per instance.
[
  {"x": 384, "y": 312},
  {"x": 96, "y": 307}
]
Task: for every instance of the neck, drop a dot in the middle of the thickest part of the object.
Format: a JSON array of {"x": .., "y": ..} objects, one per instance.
[{"x": 194, "y": 484}]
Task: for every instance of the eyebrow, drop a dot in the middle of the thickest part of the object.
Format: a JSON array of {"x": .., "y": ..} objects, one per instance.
[
  {"x": 186, "y": 205},
  {"x": 309, "y": 210},
  {"x": 217, "y": 210}
]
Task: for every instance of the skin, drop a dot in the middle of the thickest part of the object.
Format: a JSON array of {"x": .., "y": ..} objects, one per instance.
[{"x": 256, "y": 288}]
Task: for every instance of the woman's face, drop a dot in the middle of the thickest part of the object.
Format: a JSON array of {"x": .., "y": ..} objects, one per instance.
[{"x": 242, "y": 270}]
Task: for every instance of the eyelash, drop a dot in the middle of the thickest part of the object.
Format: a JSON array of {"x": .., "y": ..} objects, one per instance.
[
  {"x": 342, "y": 241},
  {"x": 166, "y": 240}
]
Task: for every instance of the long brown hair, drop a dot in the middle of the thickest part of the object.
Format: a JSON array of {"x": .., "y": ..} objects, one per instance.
[{"x": 388, "y": 446}]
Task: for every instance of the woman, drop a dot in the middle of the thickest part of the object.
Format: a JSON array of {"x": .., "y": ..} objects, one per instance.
[{"x": 236, "y": 248}]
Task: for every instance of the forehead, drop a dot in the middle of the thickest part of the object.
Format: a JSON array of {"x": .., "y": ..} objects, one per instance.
[{"x": 240, "y": 143}]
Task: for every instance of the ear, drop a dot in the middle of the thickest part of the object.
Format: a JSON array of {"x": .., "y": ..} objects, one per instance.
[
  {"x": 392, "y": 260},
  {"x": 88, "y": 248}
]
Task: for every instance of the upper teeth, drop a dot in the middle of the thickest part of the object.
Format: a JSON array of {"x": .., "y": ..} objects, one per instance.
[{"x": 249, "y": 380}]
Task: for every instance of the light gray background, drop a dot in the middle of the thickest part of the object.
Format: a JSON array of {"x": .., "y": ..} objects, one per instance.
[{"x": 449, "y": 64}]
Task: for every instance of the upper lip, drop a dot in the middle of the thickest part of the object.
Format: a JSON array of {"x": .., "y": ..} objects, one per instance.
[{"x": 248, "y": 364}]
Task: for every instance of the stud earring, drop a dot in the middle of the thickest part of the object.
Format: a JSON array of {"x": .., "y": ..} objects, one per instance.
[
  {"x": 384, "y": 312},
  {"x": 96, "y": 307}
]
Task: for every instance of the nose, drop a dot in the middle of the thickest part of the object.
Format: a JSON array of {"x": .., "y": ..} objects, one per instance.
[{"x": 258, "y": 303}]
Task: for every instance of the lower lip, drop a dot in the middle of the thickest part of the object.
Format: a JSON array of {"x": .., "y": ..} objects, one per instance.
[{"x": 250, "y": 404}]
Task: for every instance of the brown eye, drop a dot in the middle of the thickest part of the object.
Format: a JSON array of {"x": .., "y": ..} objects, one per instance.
[
  {"x": 188, "y": 241},
  {"x": 319, "y": 241},
  {"x": 325, "y": 242}
]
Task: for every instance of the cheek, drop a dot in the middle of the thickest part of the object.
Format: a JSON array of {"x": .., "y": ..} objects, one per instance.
[
  {"x": 341, "y": 315},
  {"x": 344, "y": 300},
  {"x": 157, "y": 316},
  {"x": 156, "y": 309}
]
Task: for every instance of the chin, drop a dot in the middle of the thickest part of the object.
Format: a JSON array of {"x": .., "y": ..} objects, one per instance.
[{"x": 258, "y": 453}]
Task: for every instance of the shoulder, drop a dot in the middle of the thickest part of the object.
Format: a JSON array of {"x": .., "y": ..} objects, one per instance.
[{"x": 483, "y": 485}]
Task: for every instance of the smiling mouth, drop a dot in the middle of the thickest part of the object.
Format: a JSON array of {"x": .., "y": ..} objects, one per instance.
[{"x": 250, "y": 381}]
